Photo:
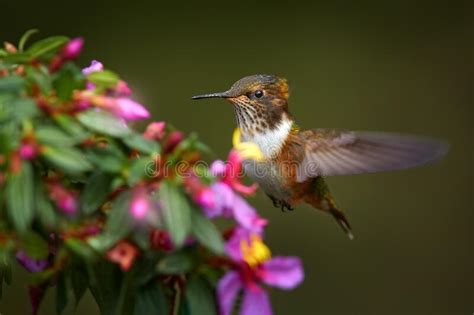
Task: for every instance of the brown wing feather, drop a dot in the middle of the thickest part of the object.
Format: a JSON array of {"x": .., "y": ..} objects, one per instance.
[{"x": 336, "y": 152}]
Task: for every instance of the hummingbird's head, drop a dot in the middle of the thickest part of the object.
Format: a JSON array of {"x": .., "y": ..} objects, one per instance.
[{"x": 260, "y": 101}]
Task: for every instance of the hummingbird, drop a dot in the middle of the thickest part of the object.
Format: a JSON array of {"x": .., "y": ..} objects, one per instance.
[{"x": 296, "y": 160}]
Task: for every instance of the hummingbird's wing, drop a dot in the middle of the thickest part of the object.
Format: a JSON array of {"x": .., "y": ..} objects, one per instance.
[{"x": 339, "y": 152}]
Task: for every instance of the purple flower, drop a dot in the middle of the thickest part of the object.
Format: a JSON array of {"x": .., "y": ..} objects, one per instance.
[
  {"x": 31, "y": 264},
  {"x": 254, "y": 267},
  {"x": 218, "y": 168},
  {"x": 230, "y": 205},
  {"x": 95, "y": 66},
  {"x": 72, "y": 49}
]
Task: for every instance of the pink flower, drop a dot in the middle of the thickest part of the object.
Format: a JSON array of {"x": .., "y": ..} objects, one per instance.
[
  {"x": 64, "y": 199},
  {"x": 95, "y": 66},
  {"x": 140, "y": 205},
  {"x": 123, "y": 89},
  {"x": 228, "y": 204},
  {"x": 72, "y": 49},
  {"x": 160, "y": 239},
  {"x": 128, "y": 109},
  {"x": 218, "y": 168},
  {"x": 124, "y": 254},
  {"x": 28, "y": 151},
  {"x": 173, "y": 140},
  {"x": 205, "y": 198},
  {"x": 254, "y": 266},
  {"x": 201, "y": 194},
  {"x": 231, "y": 173},
  {"x": 155, "y": 131},
  {"x": 122, "y": 107}
]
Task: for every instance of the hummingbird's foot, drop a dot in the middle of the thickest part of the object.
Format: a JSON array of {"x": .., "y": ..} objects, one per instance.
[
  {"x": 285, "y": 206},
  {"x": 282, "y": 204},
  {"x": 276, "y": 202}
]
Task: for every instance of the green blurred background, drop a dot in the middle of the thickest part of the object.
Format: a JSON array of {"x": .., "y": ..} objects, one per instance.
[{"x": 392, "y": 66}]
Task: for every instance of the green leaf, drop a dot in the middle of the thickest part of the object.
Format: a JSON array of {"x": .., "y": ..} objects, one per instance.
[
  {"x": 17, "y": 58},
  {"x": 207, "y": 233},
  {"x": 200, "y": 297},
  {"x": 46, "y": 46},
  {"x": 17, "y": 109},
  {"x": 95, "y": 192},
  {"x": 119, "y": 220},
  {"x": 20, "y": 198},
  {"x": 44, "y": 209},
  {"x": 105, "y": 78},
  {"x": 108, "y": 159},
  {"x": 151, "y": 299},
  {"x": 104, "y": 123},
  {"x": 5, "y": 276},
  {"x": 119, "y": 224},
  {"x": 104, "y": 283},
  {"x": 72, "y": 127},
  {"x": 25, "y": 37},
  {"x": 34, "y": 245},
  {"x": 79, "y": 282},
  {"x": 137, "y": 142},
  {"x": 11, "y": 84},
  {"x": 68, "y": 79},
  {"x": 62, "y": 296},
  {"x": 176, "y": 212},
  {"x": 137, "y": 170},
  {"x": 81, "y": 249},
  {"x": 69, "y": 160},
  {"x": 5, "y": 268},
  {"x": 24, "y": 108},
  {"x": 9, "y": 137},
  {"x": 40, "y": 77},
  {"x": 54, "y": 136},
  {"x": 3, "y": 53},
  {"x": 175, "y": 263}
]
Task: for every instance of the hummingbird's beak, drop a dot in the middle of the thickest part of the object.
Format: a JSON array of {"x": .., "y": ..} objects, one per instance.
[{"x": 212, "y": 95}]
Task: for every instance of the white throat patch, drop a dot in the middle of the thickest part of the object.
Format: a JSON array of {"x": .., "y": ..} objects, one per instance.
[{"x": 271, "y": 141}]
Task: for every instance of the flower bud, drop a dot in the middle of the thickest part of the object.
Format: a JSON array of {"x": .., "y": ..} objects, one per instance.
[
  {"x": 155, "y": 131},
  {"x": 72, "y": 49},
  {"x": 173, "y": 140}
]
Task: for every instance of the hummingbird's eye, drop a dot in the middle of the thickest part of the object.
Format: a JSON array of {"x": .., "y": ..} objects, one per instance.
[{"x": 258, "y": 93}]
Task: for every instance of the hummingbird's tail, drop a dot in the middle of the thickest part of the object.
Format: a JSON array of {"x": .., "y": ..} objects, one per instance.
[
  {"x": 324, "y": 200},
  {"x": 342, "y": 220}
]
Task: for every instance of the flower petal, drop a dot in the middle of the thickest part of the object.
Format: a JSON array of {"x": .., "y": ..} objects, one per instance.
[
  {"x": 247, "y": 216},
  {"x": 31, "y": 264},
  {"x": 233, "y": 245},
  {"x": 218, "y": 168},
  {"x": 228, "y": 287},
  {"x": 255, "y": 302},
  {"x": 282, "y": 272},
  {"x": 129, "y": 109},
  {"x": 73, "y": 48},
  {"x": 223, "y": 197},
  {"x": 94, "y": 67}
]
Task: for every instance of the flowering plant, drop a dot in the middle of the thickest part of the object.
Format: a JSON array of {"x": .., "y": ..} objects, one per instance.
[{"x": 88, "y": 203}]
